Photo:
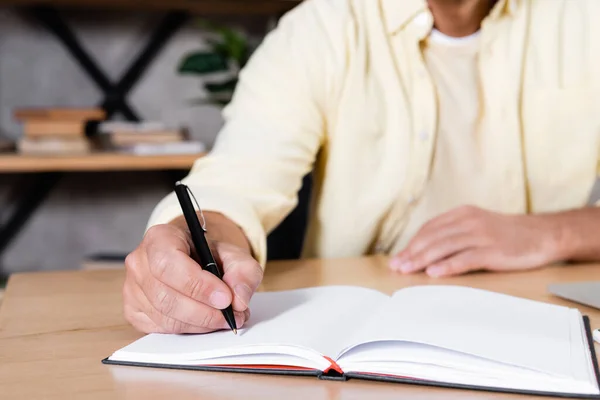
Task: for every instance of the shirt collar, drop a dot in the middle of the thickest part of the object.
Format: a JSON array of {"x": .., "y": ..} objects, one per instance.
[{"x": 398, "y": 13}]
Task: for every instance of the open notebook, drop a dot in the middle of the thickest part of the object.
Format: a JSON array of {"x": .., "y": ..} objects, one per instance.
[{"x": 432, "y": 335}]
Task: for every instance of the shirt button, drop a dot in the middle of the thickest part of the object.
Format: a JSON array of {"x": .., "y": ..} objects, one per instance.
[
  {"x": 424, "y": 136},
  {"x": 411, "y": 200},
  {"x": 379, "y": 248}
]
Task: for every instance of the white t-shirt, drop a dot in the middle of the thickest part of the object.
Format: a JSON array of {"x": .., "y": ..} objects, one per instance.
[{"x": 453, "y": 67}]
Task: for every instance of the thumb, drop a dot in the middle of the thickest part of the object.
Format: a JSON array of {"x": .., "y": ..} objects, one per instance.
[{"x": 242, "y": 273}]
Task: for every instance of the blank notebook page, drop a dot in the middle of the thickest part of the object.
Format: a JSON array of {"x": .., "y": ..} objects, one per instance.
[
  {"x": 493, "y": 326},
  {"x": 315, "y": 319}
]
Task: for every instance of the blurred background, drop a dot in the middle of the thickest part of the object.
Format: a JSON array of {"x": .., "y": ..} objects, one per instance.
[{"x": 103, "y": 106}]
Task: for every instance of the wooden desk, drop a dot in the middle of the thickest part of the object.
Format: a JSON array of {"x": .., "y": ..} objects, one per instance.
[
  {"x": 56, "y": 327},
  {"x": 95, "y": 162}
]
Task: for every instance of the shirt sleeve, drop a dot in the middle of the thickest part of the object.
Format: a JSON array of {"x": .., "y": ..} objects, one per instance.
[{"x": 274, "y": 128}]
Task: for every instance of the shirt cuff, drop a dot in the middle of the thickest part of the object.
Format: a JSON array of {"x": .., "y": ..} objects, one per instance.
[{"x": 217, "y": 200}]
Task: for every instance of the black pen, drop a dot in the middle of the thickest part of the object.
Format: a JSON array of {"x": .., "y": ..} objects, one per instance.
[{"x": 205, "y": 256}]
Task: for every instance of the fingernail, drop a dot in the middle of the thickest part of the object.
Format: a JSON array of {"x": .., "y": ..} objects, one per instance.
[
  {"x": 407, "y": 267},
  {"x": 239, "y": 320},
  {"x": 395, "y": 264},
  {"x": 435, "y": 272},
  {"x": 219, "y": 300},
  {"x": 243, "y": 292}
]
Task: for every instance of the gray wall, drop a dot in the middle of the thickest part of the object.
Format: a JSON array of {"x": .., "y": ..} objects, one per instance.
[{"x": 98, "y": 212}]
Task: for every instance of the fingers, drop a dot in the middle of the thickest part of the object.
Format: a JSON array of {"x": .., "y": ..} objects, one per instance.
[
  {"x": 132, "y": 310},
  {"x": 178, "y": 271},
  {"x": 242, "y": 273},
  {"x": 168, "y": 302},
  {"x": 467, "y": 261},
  {"x": 439, "y": 250},
  {"x": 439, "y": 238},
  {"x": 166, "y": 291},
  {"x": 167, "y": 252},
  {"x": 433, "y": 231},
  {"x": 167, "y": 237},
  {"x": 170, "y": 312},
  {"x": 425, "y": 247}
]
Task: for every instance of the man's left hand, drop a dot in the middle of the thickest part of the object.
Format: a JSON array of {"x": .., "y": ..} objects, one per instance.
[{"x": 470, "y": 238}]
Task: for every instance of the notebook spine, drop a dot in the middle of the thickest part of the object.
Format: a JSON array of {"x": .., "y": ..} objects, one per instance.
[{"x": 332, "y": 375}]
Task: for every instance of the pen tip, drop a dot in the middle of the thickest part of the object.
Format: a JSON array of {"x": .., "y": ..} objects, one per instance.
[{"x": 235, "y": 331}]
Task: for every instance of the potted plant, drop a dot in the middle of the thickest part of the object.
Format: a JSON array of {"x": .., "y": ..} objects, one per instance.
[{"x": 220, "y": 64}]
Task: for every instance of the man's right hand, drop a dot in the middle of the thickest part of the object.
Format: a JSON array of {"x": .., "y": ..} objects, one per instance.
[{"x": 166, "y": 291}]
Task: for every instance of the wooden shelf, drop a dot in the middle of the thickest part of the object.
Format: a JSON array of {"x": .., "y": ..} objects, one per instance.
[
  {"x": 95, "y": 162},
  {"x": 196, "y": 6}
]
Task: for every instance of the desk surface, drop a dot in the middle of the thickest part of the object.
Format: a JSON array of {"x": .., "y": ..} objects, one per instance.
[
  {"x": 17, "y": 163},
  {"x": 56, "y": 327}
]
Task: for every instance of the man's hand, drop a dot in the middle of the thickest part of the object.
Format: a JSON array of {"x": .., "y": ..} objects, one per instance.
[
  {"x": 166, "y": 291},
  {"x": 469, "y": 238}
]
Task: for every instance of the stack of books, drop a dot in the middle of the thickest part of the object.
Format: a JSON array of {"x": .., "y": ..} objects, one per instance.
[
  {"x": 147, "y": 138},
  {"x": 57, "y": 130}
]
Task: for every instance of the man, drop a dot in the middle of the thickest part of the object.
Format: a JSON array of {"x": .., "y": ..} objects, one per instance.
[{"x": 454, "y": 135}]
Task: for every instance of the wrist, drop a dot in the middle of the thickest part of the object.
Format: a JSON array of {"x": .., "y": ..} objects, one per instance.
[
  {"x": 555, "y": 238},
  {"x": 565, "y": 236}
]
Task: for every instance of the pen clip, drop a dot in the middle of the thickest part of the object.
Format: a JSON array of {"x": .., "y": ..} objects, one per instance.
[{"x": 202, "y": 219}]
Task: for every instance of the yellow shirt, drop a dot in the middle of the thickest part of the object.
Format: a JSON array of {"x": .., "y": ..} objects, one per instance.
[{"x": 341, "y": 87}]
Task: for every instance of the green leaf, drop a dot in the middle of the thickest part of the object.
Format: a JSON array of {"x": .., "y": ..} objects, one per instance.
[
  {"x": 217, "y": 101},
  {"x": 230, "y": 43},
  {"x": 237, "y": 45},
  {"x": 225, "y": 86},
  {"x": 203, "y": 63},
  {"x": 222, "y": 49}
]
